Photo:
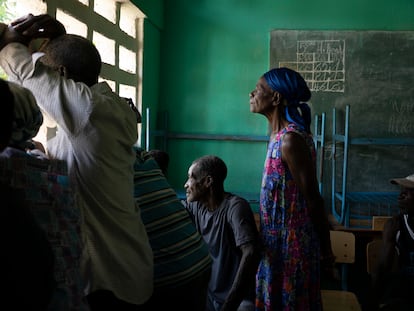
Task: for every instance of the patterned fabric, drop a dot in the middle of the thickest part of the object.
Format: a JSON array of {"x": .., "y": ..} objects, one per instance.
[
  {"x": 288, "y": 274},
  {"x": 44, "y": 184},
  {"x": 180, "y": 255}
]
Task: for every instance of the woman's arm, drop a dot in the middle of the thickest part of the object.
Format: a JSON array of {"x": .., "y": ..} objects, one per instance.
[{"x": 296, "y": 154}]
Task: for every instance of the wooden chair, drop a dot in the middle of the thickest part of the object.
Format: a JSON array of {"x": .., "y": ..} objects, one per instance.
[
  {"x": 378, "y": 222},
  {"x": 374, "y": 248},
  {"x": 336, "y": 300},
  {"x": 343, "y": 247}
]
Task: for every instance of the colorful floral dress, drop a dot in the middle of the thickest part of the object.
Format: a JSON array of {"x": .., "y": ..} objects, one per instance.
[{"x": 288, "y": 276}]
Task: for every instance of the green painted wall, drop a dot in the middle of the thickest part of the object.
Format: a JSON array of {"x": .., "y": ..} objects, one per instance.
[
  {"x": 211, "y": 55},
  {"x": 150, "y": 73},
  {"x": 153, "y": 26}
]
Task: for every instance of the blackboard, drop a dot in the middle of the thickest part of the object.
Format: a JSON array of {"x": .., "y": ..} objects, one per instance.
[{"x": 373, "y": 72}]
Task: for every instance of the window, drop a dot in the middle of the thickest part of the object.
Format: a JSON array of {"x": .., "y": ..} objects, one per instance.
[
  {"x": 115, "y": 27},
  {"x": 72, "y": 24},
  {"x": 105, "y": 44}
]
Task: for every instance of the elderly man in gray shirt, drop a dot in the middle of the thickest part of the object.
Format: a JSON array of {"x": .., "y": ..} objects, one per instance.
[{"x": 227, "y": 225}]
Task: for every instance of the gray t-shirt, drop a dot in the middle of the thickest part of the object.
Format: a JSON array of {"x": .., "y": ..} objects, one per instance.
[{"x": 225, "y": 230}]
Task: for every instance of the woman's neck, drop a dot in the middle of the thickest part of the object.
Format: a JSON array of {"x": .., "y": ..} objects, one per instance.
[{"x": 277, "y": 119}]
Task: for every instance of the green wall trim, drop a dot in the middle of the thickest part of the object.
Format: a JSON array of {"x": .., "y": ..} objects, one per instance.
[{"x": 153, "y": 9}]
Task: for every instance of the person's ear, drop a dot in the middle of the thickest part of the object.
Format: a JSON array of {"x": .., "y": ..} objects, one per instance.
[
  {"x": 209, "y": 181},
  {"x": 276, "y": 98},
  {"x": 62, "y": 71}
]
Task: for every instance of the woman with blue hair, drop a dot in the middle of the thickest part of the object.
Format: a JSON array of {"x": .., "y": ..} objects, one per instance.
[{"x": 294, "y": 226}]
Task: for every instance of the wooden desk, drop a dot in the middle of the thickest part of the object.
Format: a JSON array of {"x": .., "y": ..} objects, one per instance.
[
  {"x": 359, "y": 232},
  {"x": 364, "y": 233}
]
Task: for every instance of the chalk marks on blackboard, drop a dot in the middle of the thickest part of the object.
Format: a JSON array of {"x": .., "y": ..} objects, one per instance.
[
  {"x": 321, "y": 63},
  {"x": 401, "y": 121}
]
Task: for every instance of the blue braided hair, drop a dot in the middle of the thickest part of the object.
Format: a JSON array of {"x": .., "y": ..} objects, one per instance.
[{"x": 293, "y": 87}]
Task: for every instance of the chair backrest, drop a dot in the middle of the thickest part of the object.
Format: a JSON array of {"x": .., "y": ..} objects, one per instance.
[
  {"x": 378, "y": 222},
  {"x": 343, "y": 246},
  {"x": 373, "y": 252}
]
